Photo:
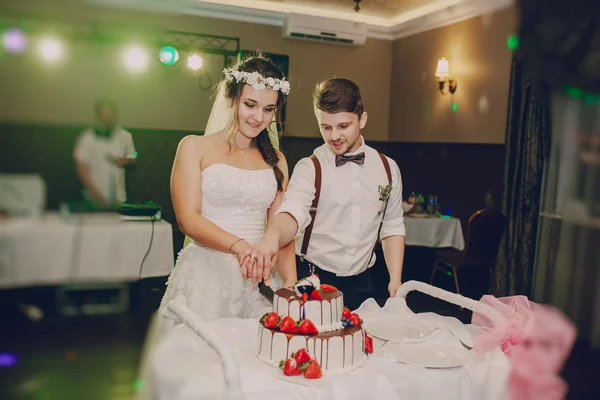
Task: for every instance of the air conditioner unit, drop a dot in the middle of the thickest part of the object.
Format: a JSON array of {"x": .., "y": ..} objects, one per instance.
[{"x": 326, "y": 30}]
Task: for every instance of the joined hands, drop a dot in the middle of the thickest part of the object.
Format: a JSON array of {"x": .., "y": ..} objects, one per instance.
[{"x": 258, "y": 261}]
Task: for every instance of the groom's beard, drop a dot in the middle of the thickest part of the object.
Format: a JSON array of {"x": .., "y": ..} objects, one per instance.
[{"x": 348, "y": 147}]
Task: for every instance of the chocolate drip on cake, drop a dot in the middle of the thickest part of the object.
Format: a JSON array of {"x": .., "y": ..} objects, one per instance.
[
  {"x": 324, "y": 337},
  {"x": 327, "y": 352},
  {"x": 321, "y": 335},
  {"x": 321, "y": 352},
  {"x": 343, "y": 351},
  {"x": 291, "y": 295}
]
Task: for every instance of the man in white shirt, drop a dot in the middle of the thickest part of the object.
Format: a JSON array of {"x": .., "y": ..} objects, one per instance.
[
  {"x": 350, "y": 214},
  {"x": 102, "y": 154}
]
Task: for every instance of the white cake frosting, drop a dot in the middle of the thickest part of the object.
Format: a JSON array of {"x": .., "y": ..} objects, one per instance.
[
  {"x": 334, "y": 353},
  {"x": 326, "y": 315}
]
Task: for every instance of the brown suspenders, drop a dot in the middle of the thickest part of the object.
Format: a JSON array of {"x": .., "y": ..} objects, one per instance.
[
  {"x": 315, "y": 203},
  {"x": 313, "y": 207}
]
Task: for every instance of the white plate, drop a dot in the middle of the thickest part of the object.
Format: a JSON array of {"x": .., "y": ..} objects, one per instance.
[
  {"x": 399, "y": 331},
  {"x": 430, "y": 355}
]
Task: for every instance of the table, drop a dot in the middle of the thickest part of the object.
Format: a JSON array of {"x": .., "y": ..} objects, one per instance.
[
  {"x": 434, "y": 232},
  {"x": 52, "y": 250},
  {"x": 182, "y": 366}
]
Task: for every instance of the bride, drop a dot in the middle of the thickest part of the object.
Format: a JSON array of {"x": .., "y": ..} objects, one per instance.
[{"x": 224, "y": 186}]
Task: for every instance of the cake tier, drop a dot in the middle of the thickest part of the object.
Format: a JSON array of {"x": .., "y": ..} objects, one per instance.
[
  {"x": 325, "y": 314},
  {"x": 337, "y": 351}
]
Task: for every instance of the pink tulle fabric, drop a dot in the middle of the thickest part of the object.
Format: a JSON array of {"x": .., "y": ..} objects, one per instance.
[{"x": 536, "y": 338}]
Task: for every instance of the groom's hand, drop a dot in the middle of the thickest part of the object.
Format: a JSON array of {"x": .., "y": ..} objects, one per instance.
[
  {"x": 265, "y": 255},
  {"x": 394, "y": 286}
]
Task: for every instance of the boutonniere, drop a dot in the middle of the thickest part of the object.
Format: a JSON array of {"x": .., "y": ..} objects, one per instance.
[{"x": 384, "y": 195}]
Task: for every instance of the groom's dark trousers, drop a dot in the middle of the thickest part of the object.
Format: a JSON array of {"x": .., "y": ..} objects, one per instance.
[{"x": 356, "y": 288}]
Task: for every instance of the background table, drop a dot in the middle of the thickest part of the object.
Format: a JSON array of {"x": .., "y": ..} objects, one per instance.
[
  {"x": 434, "y": 232},
  {"x": 83, "y": 248}
]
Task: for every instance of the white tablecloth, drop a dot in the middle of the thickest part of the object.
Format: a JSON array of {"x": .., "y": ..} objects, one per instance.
[
  {"x": 96, "y": 247},
  {"x": 434, "y": 232},
  {"x": 182, "y": 367}
]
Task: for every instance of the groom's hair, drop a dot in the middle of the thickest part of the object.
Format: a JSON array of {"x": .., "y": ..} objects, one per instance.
[{"x": 338, "y": 95}]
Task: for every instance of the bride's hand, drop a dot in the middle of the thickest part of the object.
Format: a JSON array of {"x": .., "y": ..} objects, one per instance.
[
  {"x": 249, "y": 264},
  {"x": 242, "y": 251},
  {"x": 265, "y": 253}
]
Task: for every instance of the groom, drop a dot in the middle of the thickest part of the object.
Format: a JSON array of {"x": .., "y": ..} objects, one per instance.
[{"x": 344, "y": 197}]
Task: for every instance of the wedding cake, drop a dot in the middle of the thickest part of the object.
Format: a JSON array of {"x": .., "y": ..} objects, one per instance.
[{"x": 309, "y": 331}]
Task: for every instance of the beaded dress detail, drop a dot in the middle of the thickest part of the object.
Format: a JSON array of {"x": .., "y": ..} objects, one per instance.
[{"x": 237, "y": 201}]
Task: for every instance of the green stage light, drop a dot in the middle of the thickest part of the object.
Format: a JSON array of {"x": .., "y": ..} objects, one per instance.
[
  {"x": 512, "y": 42},
  {"x": 168, "y": 55}
]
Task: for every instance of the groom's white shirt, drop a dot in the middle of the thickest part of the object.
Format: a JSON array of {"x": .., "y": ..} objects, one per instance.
[{"x": 347, "y": 217}]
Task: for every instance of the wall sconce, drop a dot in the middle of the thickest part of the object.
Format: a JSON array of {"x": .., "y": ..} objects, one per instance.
[{"x": 442, "y": 74}]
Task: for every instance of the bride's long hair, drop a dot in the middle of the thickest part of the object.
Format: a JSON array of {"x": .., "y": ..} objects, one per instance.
[{"x": 233, "y": 93}]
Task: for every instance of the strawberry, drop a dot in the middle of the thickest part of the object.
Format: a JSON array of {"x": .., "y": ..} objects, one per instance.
[
  {"x": 290, "y": 367},
  {"x": 312, "y": 370},
  {"x": 307, "y": 327},
  {"x": 368, "y": 344},
  {"x": 316, "y": 295},
  {"x": 272, "y": 320},
  {"x": 301, "y": 356},
  {"x": 288, "y": 325},
  {"x": 355, "y": 319},
  {"x": 304, "y": 297},
  {"x": 328, "y": 288},
  {"x": 346, "y": 313},
  {"x": 262, "y": 319}
]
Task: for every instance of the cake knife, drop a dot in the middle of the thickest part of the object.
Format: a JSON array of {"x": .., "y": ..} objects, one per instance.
[{"x": 266, "y": 292}]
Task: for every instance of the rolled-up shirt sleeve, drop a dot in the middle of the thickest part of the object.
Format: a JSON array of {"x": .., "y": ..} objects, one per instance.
[
  {"x": 393, "y": 220},
  {"x": 300, "y": 193},
  {"x": 128, "y": 145},
  {"x": 81, "y": 151}
]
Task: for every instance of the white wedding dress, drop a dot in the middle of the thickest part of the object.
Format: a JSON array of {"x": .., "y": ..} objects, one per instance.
[{"x": 237, "y": 201}]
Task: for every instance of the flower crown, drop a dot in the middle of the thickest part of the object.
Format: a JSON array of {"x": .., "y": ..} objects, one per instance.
[{"x": 256, "y": 80}]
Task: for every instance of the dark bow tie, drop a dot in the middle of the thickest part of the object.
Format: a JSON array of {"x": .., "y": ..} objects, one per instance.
[{"x": 356, "y": 158}]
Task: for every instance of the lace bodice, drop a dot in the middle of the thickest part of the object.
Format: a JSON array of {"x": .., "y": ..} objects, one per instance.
[{"x": 237, "y": 200}]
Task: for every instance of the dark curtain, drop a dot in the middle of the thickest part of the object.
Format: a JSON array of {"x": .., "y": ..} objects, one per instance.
[{"x": 527, "y": 146}]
